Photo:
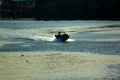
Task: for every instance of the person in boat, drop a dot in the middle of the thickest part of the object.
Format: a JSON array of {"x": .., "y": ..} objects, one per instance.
[
  {"x": 58, "y": 36},
  {"x": 62, "y": 37}
]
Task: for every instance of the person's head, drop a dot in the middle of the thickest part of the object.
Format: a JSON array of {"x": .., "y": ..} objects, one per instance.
[{"x": 59, "y": 32}]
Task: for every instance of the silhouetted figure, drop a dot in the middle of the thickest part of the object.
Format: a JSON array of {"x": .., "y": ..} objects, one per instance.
[{"x": 58, "y": 36}]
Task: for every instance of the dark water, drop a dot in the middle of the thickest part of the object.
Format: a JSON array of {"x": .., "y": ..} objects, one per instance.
[{"x": 39, "y": 36}]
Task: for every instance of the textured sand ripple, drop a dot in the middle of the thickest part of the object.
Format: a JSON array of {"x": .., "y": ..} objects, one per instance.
[{"x": 58, "y": 66}]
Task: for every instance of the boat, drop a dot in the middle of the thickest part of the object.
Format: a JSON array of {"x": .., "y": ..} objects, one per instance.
[{"x": 62, "y": 37}]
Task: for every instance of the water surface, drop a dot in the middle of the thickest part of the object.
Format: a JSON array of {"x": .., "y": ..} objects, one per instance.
[{"x": 29, "y": 51}]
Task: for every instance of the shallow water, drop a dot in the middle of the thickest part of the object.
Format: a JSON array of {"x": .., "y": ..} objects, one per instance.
[{"x": 29, "y": 51}]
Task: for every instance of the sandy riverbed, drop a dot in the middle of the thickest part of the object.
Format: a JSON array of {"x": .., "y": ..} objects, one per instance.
[{"x": 58, "y": 66}]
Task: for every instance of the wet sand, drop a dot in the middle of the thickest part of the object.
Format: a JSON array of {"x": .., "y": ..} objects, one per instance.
[{"x": 58, "y": 66}]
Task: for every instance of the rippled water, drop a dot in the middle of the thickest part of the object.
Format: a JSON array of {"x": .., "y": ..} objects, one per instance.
[
  {"x": 29, "y": 51},
  {"x": 85, "y": 36}
]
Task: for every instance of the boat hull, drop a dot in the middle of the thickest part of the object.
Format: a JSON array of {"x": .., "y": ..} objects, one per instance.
[{"x": 63, "y": 37}]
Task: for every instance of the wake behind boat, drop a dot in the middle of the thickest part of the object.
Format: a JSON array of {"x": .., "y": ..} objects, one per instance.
[{"x": 62, "y": 37}]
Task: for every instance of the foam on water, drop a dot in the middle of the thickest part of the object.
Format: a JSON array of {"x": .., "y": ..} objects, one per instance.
[
  {"x": 43, "y": 38},
  {"x": 50, "y": 39}
]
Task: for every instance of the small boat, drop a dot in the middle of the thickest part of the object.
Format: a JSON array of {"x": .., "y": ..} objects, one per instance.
[{"x": 62, "y": 37}]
